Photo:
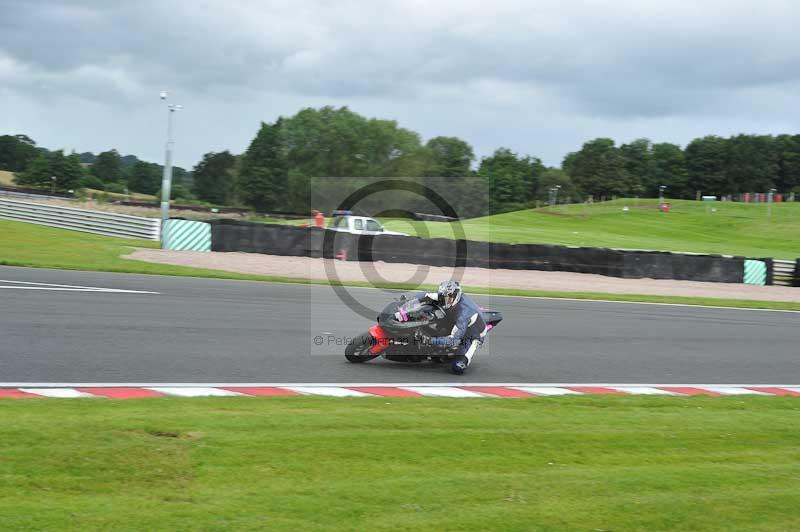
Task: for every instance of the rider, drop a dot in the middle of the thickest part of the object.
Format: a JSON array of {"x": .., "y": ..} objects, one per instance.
[{"x": 469, "y": 329}]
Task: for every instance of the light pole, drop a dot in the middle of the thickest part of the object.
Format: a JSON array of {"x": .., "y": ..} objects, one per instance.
[
  {"x": 53, "y": 187},
  {"x": 555, "y": 193},
  {"x": 770, "y": 196},
  {"x": 166, "y": 181}
]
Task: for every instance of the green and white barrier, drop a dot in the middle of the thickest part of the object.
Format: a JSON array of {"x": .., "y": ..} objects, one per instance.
[
  {"x": 755, "y": 272},
  {"x": 185, "y": 235}
]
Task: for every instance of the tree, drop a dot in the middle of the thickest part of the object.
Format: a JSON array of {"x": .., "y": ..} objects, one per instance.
[
  {"x": 16, "y": 151},
  {"x": 391, "y": 151},
  {"x": 108, "y": 167},
  {"x": 669, "y": 169},
  {"x": 144, "y": 178},
  {"x": 128, "y": 161},
  {"x": 87, "y": 157},
  {"x": 180, "y": 176},
  {"x": 511, "y": 179},
  {"x": 339, "y": 143},
  {"x": 598, "y": 169},
  {"x": 448, "y": 157},
  {"x": 751, "y": 163},
  {"x": 68, "y": 170},
  {"x": 37, "y": 173},
  {"x": 326, "y": 142},
  {"x": 213, "y": 177},
  {"x": 705, "y": 164},
  {"x": 91, "y": 181},
  {"x": 53, "y": 170},
  {"x": 638, "y": 166},
  {"x": 331, "y": 142},
  {"x": 552, "y": 177},
  {"x": 263, "y": 174},
  {"x": 788, "y": 153}
]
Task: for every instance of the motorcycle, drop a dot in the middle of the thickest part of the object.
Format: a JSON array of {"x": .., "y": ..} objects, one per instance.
[{"x": 399, "y": 327}]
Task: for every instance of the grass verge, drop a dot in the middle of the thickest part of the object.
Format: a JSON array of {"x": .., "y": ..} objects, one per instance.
[
  {"x": 587, "y": 463},
  {"x": 725, "y": 228},
  {"x": 37, "y": 246},
  {"x": 30, "y": 245}
]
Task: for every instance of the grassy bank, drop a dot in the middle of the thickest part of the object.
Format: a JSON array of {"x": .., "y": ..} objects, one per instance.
[
  {"x": 717, "y": 228},
  {"x": 24, "y": 244},
  {"x": 591, "y": 463},
  {"x": 30, "y": 245},
  {"x": 7, "y": 178}
]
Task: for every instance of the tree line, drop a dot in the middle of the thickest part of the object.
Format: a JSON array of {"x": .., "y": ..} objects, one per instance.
[
  {"x": 277, "y": 171},
  {"x": 37, "y": 167},
  {"x": 712, "y": 165}
]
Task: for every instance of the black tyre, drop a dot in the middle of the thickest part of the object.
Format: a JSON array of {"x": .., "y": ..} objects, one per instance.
[{"x": 358, "y": 351}]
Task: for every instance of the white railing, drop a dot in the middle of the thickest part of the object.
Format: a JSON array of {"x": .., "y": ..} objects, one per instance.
[
  {"x": 15, "y": 194},
  {"x": 783, "y": 272},
  {"x": 103, "y": 223}
]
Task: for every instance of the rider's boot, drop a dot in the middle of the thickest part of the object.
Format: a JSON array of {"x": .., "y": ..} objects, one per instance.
[{"x": 459, "y": 365}]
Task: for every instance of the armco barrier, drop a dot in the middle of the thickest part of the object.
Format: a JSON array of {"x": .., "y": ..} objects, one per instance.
[
  {"x": 186, "y": 235},
  {"x": 234, "y": 235},
  {"x": 103, "y": 223},
  {"x": 783, "y": 272},
  {"x": 6, "y": 190}
]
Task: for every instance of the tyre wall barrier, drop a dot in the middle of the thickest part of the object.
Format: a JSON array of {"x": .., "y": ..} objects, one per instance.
[
  {"x": 796, "y": 273},
  {"x": 235, "y": 235},
  {"x": 770, "y": 264},
  {"x": 664, "y": 265}
]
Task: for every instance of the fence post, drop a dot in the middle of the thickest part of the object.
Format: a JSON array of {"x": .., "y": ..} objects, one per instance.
[
  {"x": 796, "y": 273},
  {"x": 770, "y": 270}
]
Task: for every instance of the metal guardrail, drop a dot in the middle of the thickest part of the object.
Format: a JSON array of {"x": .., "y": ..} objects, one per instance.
[
  {"x": 17, "y": 194},
  {"x": 103, "y": 223},
  {"x": 783, "y": 272}
]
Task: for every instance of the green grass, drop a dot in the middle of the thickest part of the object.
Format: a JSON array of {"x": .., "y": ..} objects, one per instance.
[
  {"x": 734, "y": 229},
  {"x": 551, "y": 464},
  {"x": 36, "y": 246}
]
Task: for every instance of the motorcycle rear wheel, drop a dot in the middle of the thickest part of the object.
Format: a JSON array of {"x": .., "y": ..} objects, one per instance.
[{"x": 358, "y": 351}]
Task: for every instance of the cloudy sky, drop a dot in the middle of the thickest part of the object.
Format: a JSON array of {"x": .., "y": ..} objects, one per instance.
[{"x": 540, "y": 77}]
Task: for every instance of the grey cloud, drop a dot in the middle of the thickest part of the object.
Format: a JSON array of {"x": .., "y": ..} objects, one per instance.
[
  {"x": 249, "y": 42},
  {"x": 611, "y": 61}
]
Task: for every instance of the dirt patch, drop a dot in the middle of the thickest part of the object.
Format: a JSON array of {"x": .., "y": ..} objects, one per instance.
[
  {"x": 308, "y": 268},
  {"x": 7, "y": 178}
]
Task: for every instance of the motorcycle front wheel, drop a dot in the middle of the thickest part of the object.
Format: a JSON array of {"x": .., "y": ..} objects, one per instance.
[{"x": 358, "y": 351}]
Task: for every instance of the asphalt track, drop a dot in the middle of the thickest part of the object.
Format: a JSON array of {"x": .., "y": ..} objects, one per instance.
[{"x": 198, "y": 330}]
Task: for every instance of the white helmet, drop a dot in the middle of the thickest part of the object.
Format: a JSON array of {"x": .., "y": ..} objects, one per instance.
[{"x": 449, "y": 294}]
